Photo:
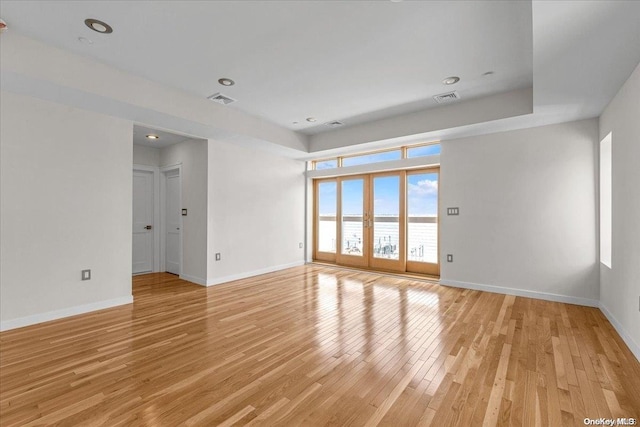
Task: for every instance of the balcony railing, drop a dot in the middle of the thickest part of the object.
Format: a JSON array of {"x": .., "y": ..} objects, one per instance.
[{"x": 422, "y": 236}]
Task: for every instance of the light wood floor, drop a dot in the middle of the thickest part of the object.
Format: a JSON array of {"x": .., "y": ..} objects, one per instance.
[{"x": 317, "y": 345}]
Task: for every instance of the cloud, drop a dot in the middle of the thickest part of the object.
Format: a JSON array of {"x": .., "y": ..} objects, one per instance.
[{"x": 425, "y": 187}]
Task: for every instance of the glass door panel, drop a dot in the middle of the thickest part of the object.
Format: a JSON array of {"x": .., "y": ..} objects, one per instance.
[
  {"x": 386, "y": 217},
  {"x": 387, "y": 221},
  {"x": 422, "y": 222},
  {"x": 353, "y": 248},
  {"x": 352, "y": 216},
  {"x": 326, "y": 216}
]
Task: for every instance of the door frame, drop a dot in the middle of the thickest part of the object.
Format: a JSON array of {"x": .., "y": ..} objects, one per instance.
[
  {"x": 346, "y": 259},
  {"x": 316, "y": 254},
  {"x": 156, "y": 212},
  {"x": 165, "y": 171},
  {"x": 423, "y": 267},
  {"x": 382, "y": 263}
]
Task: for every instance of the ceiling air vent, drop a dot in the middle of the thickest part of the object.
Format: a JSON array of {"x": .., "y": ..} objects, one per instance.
[
  {"x": 221, "y": 99},
  {"x": 446, "y": 97},
  {"x": 334, "y": 124}
]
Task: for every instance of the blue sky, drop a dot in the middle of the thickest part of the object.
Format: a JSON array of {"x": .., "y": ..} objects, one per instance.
[
  {"x": 419, "y": 151},
  {"x": 422, "y": 190}
]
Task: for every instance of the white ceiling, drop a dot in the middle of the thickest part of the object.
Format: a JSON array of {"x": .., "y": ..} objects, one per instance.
[
  {"x": 372, "y": 64},
  {"x": 353, "y": 61}
]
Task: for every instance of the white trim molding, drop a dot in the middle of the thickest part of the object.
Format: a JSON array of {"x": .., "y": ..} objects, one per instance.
[
  {"x": 164, "y": 171},
  {"x": 626, "y": 337},
  {"x": 193, "y": 279},
  {"x": 239, "y": 276},
  {"x": 62, "y": 313},
  {"x": 522, "y": 293}
]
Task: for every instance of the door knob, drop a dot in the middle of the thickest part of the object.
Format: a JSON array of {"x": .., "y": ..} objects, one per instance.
[{"x": 148, "y": 227}]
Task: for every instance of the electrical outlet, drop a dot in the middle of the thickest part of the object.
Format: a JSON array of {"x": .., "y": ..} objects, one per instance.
[
  {"x": 218, "y": 257},
  {"x": 449, "y": 257},
  {"x": 300, "y": 245},
  {"x": 453, "y": 211},
  {"x": 86, "y": 274}
]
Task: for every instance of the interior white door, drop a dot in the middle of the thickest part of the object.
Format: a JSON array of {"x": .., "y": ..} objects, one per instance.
[
  {"x": 172, "y": 225},
  {"x": 142, "y": 221}
]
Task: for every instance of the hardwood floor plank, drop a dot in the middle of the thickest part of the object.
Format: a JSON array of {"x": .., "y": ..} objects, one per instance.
[
  {"x": 317, "y": 345},
  {"x": 497, "y": 391}
]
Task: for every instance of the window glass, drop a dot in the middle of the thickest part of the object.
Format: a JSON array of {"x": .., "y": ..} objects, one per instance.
[
  {"x": 327, "y": 211},
  {"x": 352, "y": 216},
  {"x": 422, "y": 217},
  {"x": 386, "y": 217},
  {"x": 326, "y": 164},
  {"x": 423, "y": 150}
]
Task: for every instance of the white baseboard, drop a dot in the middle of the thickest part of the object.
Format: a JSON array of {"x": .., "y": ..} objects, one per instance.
[
  {"x": 194, "y": 279},
  {"x": 522, "y": 293},
  {"x": 633, "y": 346},
  {"x": 65, "y": 312},
  {"x": 231, "y": 278}
]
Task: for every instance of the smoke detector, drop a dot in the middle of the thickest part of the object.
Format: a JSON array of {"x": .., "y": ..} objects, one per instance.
[
  {"x": 447, "y": 97},
  {"x": 221, "y": 99},
  {"x": 334, "y": 124}
]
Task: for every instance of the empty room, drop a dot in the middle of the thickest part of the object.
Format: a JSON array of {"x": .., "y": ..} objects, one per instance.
[{"x": 284, "y": 213}]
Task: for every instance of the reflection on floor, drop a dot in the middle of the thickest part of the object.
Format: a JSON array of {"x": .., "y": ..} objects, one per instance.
[{"x": 318, "y": 345}]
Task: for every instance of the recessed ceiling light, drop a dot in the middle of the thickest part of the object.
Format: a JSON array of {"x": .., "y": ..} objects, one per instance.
[
  {"x": 451, "y": 80},
  {"x": 295, "y": 123},
  {"x": 226, "y": 82},
  {"x": 98, "y": 26},
  {"x": 153, "y": 137},
  {"x": 311, "y": 119},
  {"x": 488, "y": 73}
]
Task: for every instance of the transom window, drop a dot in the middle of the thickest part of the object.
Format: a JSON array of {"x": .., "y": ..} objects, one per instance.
[{"x": 405, "y": 152}]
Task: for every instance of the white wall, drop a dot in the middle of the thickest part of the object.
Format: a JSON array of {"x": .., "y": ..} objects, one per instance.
[
  {"x": 65, "y": 206},
  {"x": 620, "y": 285},
  {"x": 527, "y": 222},
  {"x": 143, "y": 155},
  {"x": 256, "y": 212},
  {"x": 192, "y": 155}
]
